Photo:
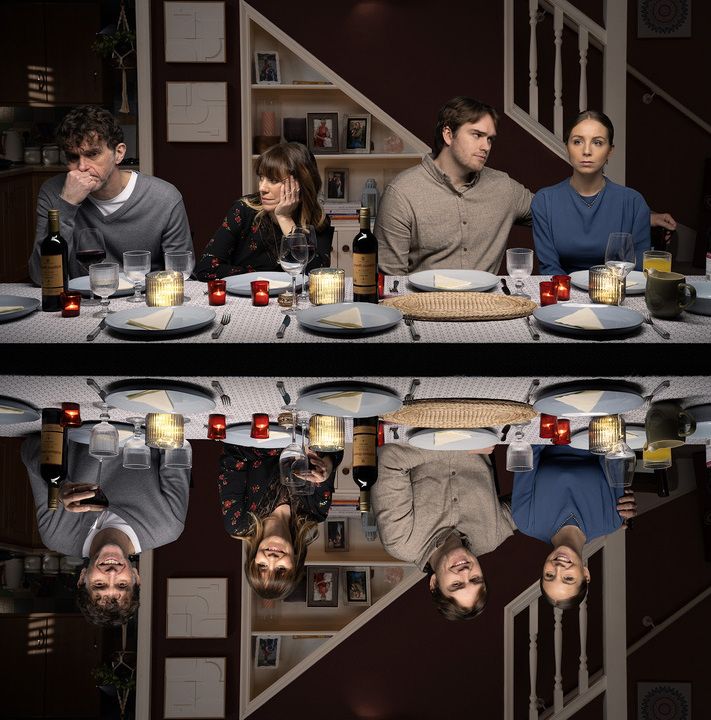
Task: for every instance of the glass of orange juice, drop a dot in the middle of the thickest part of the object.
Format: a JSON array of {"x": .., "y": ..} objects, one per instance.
[
  {"x": 657, "y": 260},
  {"x": 657, "y": 459}
]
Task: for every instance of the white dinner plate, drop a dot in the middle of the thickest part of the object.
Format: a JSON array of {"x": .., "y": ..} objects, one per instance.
[
  {"x": 635, "y": 282},
  {"x": 702, "y": 415},
  {"x": 82, "y": 434},
  {"x": 374, "y": 317},
  {"x": 352, "y": 401},
  {"x": 185, "y": 319},
  {"x": 587, "y": 400},
  {"x": 29, "y": 305},
  {"x": 279, "y": 437},
  {"x": 702, "y": 304},
  {"x": 82, "y": 284},
  {"x": 455, "y": 439},
  {"x": 241, "y": 284},
  {"x": 636, "y": 438},
  {"x": 28, "y": 414},
  {"x": 478, "y": 280},
  {"x": 615, "y": 320},
  {"x": 185, "y": 399}
]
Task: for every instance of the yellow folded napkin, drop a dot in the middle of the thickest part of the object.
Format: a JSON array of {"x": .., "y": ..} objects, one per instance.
[
  {"x": 349, "y": 400},
  {"x": 155, "y": 398},
  {"x": 10, "y": 308},
  {"x": 158, "y": 320},
  {"x": 275, "y": 284},
  {"x": 449, "y": 283},
  {"x": 124, "y": 435},
  {"x": 125, "y": 284},
  {"x": 585, "y": 319},
  {"x": 5, "y": 410},
  {"x": 449, "y": 436},
  {"x": 583, "y": 401},
  {"x": 631, "y": 283},
  {"x": 349, "y": 318}
]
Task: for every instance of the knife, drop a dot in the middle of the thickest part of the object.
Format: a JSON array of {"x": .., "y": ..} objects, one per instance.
[
  {"x": 284, "y": 325},
  {"x": 505, "y": 287},
  {"x": 413, "y": 330},
  {"x": 92, "y": 335}
]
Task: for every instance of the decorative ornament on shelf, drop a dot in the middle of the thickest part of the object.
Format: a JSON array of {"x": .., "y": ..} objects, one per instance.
[
  {"x": 369, "y": 198},
  {"x": 393, "y": 144}
]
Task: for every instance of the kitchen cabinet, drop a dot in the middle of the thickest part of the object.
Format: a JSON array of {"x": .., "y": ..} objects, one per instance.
[
  {"x": 48, "y": 47},
  {"x": 46, "y": 666},
  {"x": 17, "y": 226},
  {"x": 18, "y": 518}
]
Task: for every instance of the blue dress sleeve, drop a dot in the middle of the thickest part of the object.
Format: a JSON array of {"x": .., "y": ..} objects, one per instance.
[{"x": 548, "y": 259}]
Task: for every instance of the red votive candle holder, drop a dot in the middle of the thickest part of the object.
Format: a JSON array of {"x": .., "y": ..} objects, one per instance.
[
  {"x": 381, "y": 285},
  {"x": 561, "y": 435},
  {"x": 260, "y": 292},
  {"x": 562, "y": 283},
  {"x": 71, "y": 303},
  {"x": 381, "y": 433},
  {"x": 260, "y": 426},
  {"x": 71, "y": 416},
  {"x": 217, "y": 292},
  {"x": 548, "y": 293},
  {"x": 547, "y": 428},
  {"x": 216, "y": 427}
]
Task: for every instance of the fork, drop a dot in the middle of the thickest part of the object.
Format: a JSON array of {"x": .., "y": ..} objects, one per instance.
[
  {"x": 656, "y": 328},
  {"x": 224, "y": 320},
  {"x": 224, "y": 397}
]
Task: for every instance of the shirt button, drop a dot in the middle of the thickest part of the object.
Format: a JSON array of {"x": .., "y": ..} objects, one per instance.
[
  {"x": 464, "y": 222},
  {"x": 465, "y": 249},
  {"x": 454, "y": 472},
  {"x": 454, "y": 499}
]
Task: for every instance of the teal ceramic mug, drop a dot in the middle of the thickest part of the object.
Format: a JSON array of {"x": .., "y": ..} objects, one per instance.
[
  {"x": 667, "y": 295},
  {"x": 667, "y": 425}
]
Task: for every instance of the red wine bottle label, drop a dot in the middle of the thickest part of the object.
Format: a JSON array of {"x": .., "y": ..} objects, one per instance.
[
  {"x": 365, "y": 273},
  {"x": 52, "y": 274},
  {"x": 365, "y": 446},
  {"x": 51, "y": 445}
]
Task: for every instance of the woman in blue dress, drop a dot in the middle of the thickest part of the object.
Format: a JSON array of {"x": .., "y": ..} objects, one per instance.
[{"x": 573, "y": 219}]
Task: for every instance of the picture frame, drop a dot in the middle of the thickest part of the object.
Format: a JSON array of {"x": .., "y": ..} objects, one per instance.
[
  {"x": 336, "y": 184},
  {"x": 336, "y": 535},
  {"x": 356, "y": 136},
  {"x": 195, "y": 32},
  {"x": 322, "y": 132},
  {"x": 322, "y": 586},
  {"x": 267, "y": 70},
  {"x": 266, "y": 651},
  {"x": 356, "y": 585}
]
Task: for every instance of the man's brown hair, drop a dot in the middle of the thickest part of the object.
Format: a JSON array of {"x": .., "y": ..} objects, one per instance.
[
  {"x": 88, "y": 122},
  {"x": 455, "y": 113}
]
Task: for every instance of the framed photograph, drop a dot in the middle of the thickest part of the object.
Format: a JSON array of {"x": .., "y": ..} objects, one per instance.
[
  {"x": 357, "y": 134},
  {"x": 322, "y": 587},
  {"x": 336, "y": 534},
  {"x": 336, "y": 184},
  {"x": 266, "y": 67},
  {"x": 194, "y": 32},
  {"x": 266, "y": 653},
  {"x": 322, "y": 129},
  {"x": 356, "y": 585}
]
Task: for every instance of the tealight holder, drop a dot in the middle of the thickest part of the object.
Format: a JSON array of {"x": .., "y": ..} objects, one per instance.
[
  {"x": 605, "y": 286},
  {"x": 327, "y": 433},
  {"x": 562, "y": 287},
  {"x": 71, "y": 303},
  {"x": 547, "y": 427},
  {"x": 165, "y": 431},
  {"x": 260, "y": 426},
  {"x": 216, "y": 292},
  {"x": 327, "y": 286},
  {"x": 71, "y": 415},
  {"x": 604, "y": 433},
  {"x": 164, "y": 288},
  {"x": 260, "y": 292},
  {"x": 548, "y": 293},
  {"x": 216, "y": 427},
  {"x": 561, "y": 434}
]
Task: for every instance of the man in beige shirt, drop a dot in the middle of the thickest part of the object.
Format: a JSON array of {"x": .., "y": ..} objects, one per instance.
[{"x": 451, "y": 211}]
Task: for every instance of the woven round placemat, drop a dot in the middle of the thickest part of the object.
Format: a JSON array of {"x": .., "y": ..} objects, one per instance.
[
  {"x": 461, "y": 413},
  {"x": 461, "y": 306}
]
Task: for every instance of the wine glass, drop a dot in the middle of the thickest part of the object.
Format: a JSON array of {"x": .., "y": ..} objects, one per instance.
[
  {"x": 136, "y": 263},
  {"x": 182, "y": 262},
  {"x": 103, "y": 443},
  {"x": 300, "y": 467},
  {"x": 620, "y": 255},
  {"x": 310, "y": 235},
  {"x": 104, "y": 280},
  {"x": 288, "y": 456},
  {"x": 293, "y": 256},
  {"x": 519, "y": 265},
  {"x": 136, "y": 454},
  {"x": 620, "y": 464},
  {"x": 89, "y": 248}
]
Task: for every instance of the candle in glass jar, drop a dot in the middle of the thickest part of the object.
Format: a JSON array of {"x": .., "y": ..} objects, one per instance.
[
  {"x": 547, "y": 426},
  {"x": 327, "y": 286},
  {"x": 260, "y": 426},
  {"x": 216, "y": 427},
  {"x": 260, "y": 292},
  {"x": 561, "y": 435},
  {"x": 164, "y": 288},
  {"x": 548, "y": 293},
  {"x": 71, "y": 303},
  {"x": 217, "y": 292},
  {"x": 562, "y": 285},
  {"x": 604, "y": 286}
]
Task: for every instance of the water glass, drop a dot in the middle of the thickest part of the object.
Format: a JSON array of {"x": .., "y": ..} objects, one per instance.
[
  {"x": 181, "y": 457},
  {"x": 136, "y": 265},
  {"x": 293, "y": 256},
  {"x": 182, "y": 262},
  {"x": 136, "y": 454},
  {"x": 104, "y": 281},
  {"x": 519, "y": 265},
  {"x": 519, "y": 456}
]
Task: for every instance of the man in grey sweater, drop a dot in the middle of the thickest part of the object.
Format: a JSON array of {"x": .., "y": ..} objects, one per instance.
[
  {"x": 451, "y": 211},
  {"x": 130, "y": 211},
  {"x": 439, "y": 510}
]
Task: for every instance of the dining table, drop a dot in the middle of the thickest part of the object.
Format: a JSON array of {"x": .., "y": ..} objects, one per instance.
[{"x": 45, "y": 342}]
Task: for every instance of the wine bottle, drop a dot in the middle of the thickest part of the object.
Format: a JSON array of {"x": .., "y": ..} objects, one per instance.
[
  {"x": 365, "y": 261},
  {"x": 54, "y": 264},
  {"x": 53, "y": 456},
  {"x": 365, "y": 457}
]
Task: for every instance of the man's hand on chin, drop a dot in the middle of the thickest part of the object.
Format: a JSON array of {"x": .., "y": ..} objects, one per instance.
[{"x": 78, "y": 185}]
